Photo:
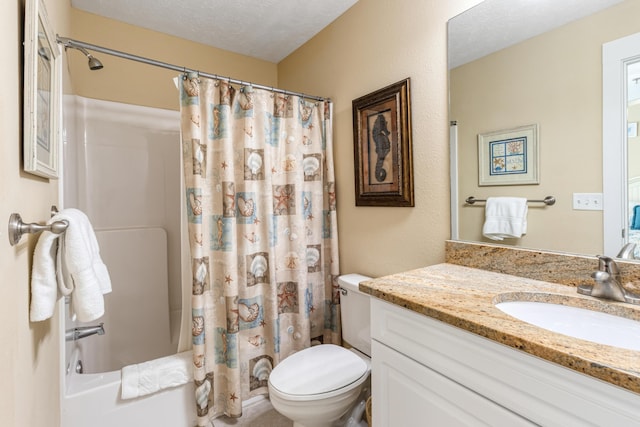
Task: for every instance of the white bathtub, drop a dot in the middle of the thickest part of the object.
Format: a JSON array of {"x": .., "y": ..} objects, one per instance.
[
  {"x": 94, "y": 400},
  {"x": 111, "y": 147}
]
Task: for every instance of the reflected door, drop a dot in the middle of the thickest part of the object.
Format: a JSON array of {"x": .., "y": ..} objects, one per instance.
[
  {"x": 633, "y": 154},
  {"x": 621, "y": 153}
]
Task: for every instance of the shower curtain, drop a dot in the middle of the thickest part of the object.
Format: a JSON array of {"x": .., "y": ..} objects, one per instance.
[{"x": 260, "y": 195}]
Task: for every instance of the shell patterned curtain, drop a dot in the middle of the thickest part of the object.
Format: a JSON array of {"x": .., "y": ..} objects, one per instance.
[{"x": 260, "y": 195}]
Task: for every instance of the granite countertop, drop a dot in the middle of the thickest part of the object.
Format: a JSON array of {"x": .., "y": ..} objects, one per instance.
[{"x": 464, "y": 297}]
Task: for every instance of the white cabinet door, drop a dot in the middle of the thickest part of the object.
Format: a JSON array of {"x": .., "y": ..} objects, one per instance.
[{"x": 406, "y": 393}]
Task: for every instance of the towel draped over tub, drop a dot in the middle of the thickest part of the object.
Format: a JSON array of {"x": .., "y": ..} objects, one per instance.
[{"x": 155, "y": 375}]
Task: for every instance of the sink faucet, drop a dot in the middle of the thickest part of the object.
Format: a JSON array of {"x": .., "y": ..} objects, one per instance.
[
  {"x": 607, "y": 283},
  {"x": 628, "y": 251},
  {"x": 83, "y": 332}
]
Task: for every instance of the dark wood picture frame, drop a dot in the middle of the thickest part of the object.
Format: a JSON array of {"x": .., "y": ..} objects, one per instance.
[{"x": 382, "y": 147}]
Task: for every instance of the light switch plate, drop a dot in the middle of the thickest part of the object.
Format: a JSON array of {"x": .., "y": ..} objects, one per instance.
[{"x": 587, "y": 201}]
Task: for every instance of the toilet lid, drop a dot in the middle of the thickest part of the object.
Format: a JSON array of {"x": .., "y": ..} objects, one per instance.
[{"x": 317, "y": 370}]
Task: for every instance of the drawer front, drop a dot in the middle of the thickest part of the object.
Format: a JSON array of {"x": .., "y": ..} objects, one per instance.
[{"x": 406, "y": 393}]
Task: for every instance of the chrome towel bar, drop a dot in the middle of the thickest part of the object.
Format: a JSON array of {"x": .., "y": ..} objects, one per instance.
[
  {"x": 17, "y": 228},
  {"x": 549, "y": 200}
]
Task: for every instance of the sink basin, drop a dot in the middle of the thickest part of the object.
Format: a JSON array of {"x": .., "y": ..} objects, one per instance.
[{"x": 589, "y": 325}]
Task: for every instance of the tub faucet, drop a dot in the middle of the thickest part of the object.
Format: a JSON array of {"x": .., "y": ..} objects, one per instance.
[
  {"x": 607, "y": 283},
  {"x": 83, "y": 332}
]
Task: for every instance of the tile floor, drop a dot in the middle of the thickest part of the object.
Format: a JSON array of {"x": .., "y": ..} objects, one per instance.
[
  {"x": 261, "y": 414},
  {"x": 256, "y": 414}
]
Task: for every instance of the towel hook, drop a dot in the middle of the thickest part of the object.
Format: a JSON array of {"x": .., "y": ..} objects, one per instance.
[{"x": 17, "y": 228}]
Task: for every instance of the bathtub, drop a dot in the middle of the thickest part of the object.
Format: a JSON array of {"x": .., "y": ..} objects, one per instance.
[
  {"x": 94, "y": 400},
  {"x": 111, "y": 147}
]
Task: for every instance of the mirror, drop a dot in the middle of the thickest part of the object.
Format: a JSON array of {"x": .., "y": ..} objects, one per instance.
[
  {"x": 515, "y": 63},
  {"x": 42, "y": 93}
]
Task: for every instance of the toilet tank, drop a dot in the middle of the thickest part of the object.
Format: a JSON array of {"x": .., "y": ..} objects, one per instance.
[{"x": 354, "y": 311}]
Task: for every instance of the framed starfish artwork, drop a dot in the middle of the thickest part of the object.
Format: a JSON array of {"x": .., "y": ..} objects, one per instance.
[{"x": 508, "y": 157}]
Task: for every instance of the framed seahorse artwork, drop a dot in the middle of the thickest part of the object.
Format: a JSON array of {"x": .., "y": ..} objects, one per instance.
[{"x": 382, "y": 147}]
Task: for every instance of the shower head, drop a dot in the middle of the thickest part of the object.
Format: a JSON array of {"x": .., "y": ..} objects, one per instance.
[{"x": 94, "y": 63}]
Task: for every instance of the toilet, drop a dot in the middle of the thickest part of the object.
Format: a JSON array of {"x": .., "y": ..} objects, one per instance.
[{"x": 316, "y": 386}]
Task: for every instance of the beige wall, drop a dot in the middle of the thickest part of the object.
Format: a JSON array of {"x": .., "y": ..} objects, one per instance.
[
  {"x": 374, "y": 44},
  {"x": 135, "y": 83},
  {"x": 554, "y": 80},
  {"x": 29, "y": 354}
]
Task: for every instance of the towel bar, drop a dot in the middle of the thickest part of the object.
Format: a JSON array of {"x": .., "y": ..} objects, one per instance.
[
  {"x": 549, "y": 200},
  {"x": 17, "y": 228}
]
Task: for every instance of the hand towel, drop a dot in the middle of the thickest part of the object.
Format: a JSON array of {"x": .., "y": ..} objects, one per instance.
[
  {"x": 80, "y": 269},
  {"x": 44, "y": 291},
  {"x": 505, "y": 217},
  {"x": 635, "y": 219},
  {"x": 155, "y": 375}
]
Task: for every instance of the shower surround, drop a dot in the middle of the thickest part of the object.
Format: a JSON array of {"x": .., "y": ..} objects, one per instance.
[{"x": 122, "y": 168}]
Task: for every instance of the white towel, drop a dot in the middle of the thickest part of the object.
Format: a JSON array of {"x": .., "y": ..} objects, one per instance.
[
  {"x": 81, "y": 271},
  {"x": 72, "y": 260},
  {"x": 149, "y": 377},
  {"x": 44, "y": 292},
  {"x": 505, "y": 217}
]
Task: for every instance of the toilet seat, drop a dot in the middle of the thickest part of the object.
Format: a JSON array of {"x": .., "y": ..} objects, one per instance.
[{"x": 318, "y": 370}]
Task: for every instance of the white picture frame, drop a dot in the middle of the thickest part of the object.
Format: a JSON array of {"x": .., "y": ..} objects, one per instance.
[
  {"x": 42, "y": 93},
  {"x": 509, "y": 157}
]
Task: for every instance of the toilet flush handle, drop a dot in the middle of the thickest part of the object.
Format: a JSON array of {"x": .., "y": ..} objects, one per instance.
[{"x": 343, "y": 291}]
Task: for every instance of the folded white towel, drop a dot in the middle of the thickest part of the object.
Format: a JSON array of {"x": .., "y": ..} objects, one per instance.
[
  {"x": 44, "y": 292},
  {"x": 149, "y": 377},
  {"x": 81, "y": 271},
  {"x": 72, "y": 260},
  {"x": 505, "y": 217}
]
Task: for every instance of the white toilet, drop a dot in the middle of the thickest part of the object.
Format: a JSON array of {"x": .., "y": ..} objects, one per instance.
[{"x": 316, "y": 386}]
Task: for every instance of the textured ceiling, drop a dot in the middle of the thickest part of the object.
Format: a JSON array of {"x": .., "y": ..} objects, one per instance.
[
  {"x": 264, "y": 29},
  {"x": 272, "y": 29},
  {"x": 496, "y": 24}
]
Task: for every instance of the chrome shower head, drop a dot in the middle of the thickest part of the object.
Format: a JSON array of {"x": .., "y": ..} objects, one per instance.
[{"x": 94, "y": 63}]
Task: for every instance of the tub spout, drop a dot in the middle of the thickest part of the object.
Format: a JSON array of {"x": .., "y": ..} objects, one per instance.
[{"x": 83, "y": 332}]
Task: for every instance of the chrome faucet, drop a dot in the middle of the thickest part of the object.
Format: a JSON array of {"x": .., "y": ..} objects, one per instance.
[
  {"x": 628, "y": 251},
  {"x": 83, "y": 332},
  {"x": 607, "y": 283}
]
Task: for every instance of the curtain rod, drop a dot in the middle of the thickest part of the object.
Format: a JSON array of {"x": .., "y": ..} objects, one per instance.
[{"x": 77, "y": 44}]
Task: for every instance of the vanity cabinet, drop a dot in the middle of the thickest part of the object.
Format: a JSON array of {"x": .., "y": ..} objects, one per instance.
[
  {"x": 429, "y": 373},
  {"x": 415, "y": 395}
]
